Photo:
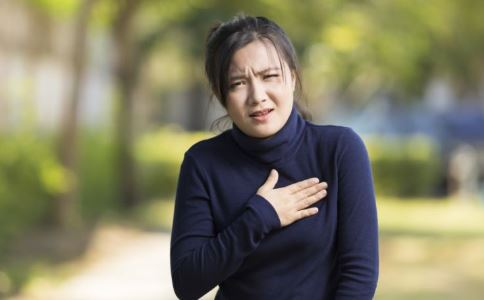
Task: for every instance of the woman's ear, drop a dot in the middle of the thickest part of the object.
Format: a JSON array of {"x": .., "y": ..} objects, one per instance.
[{"x": 293, "y": 80}]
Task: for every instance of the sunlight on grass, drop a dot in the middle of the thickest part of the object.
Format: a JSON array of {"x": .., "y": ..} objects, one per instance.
[
  {"x": 421, "y": 216},
  {"x": 431, "y": 249},
  {"x": 157, "y": 214}
]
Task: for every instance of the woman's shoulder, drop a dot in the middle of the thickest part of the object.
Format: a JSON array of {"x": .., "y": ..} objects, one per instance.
[
  {"x": 337, "y": 135},
  {"x": 336, "y": 132},
  {"x": 209, "y": 146}
]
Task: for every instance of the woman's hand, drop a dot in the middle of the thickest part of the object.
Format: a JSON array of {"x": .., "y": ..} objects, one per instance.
[{"x": 291, "y": 202}]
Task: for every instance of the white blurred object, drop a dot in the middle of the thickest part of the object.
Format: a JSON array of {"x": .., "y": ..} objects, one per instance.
[{"x": 464, "y": 172}]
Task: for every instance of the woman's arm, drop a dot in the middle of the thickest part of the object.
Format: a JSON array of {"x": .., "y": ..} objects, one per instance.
[
  {"x": 201, "y": 258},
  {"x": 357, "y": 221}
]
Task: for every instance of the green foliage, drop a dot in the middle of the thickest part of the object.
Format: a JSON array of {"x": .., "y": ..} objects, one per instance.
[
  {"x": 155, "y": 214},
  {"x": 396, "y": 46},
  {"x": 354, "y": 49},
  {"x": 404, "y": 167},
  {"x": 56, "y": 8},
  {"x": 30, "y": 176},
  {"x": 160, "y": 154},
  {"x": 98, "y": 178}
]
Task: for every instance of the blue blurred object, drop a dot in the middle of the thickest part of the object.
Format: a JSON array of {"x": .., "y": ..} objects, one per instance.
[
  {"x": 459, "y": 125},
  {"x": 462, "y": 123}
]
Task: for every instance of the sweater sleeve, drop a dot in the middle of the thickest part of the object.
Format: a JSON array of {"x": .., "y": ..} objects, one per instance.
[
  {"x": 357, "y": 221},
  {"x": 201, "y": 258}
]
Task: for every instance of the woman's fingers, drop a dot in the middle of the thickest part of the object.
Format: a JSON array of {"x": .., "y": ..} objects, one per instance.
[
  {"x": 271, "y": 181},
  {"x": 311, "y": 190},
  {"x": 310, "y": 200},
  {"x": 300, "y": 207},
  {"x": 293, "y": 202},
  {"x": 306, "y": 213},
  {"x": 301, "y": 185}
]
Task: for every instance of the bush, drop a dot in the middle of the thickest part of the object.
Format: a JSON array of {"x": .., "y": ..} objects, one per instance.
[
  {"x": 405, "y": 167},
  {"x": 30, "y": 176},
  {"x": 159, "y": 155},
  {"x": 98, "y": 176}
]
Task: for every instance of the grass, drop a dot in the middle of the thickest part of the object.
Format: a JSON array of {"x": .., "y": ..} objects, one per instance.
[
  {"x": 42, "y": 253},
  {"x": 156, "y": 214},
  {"x": 431, "y": 249},
  {"x": 449, "y": 217}
]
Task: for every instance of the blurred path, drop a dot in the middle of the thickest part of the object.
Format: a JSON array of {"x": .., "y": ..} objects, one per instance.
[{"x": 120, "y": 265}]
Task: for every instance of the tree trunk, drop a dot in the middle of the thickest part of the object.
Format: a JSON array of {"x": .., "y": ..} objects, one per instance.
[
  {"x": 198, "y": 107},
  {"x": 125, "y": 72},
  {"x": 67, "y": 212}
]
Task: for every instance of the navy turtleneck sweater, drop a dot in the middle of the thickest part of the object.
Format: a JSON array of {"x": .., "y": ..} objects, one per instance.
[{"x": 225, "y": 234}]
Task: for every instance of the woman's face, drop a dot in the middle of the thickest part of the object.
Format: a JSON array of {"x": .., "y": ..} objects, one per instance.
[{"x": 259, "y": 99}]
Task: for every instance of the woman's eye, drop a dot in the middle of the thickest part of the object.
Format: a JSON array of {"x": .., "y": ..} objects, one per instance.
[
  {"x": 270, "y": 76},
  {"x": 236, "y": 84}
]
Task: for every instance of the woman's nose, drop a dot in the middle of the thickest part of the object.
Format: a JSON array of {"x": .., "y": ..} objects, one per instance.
[{"x": 257, "y": 92}]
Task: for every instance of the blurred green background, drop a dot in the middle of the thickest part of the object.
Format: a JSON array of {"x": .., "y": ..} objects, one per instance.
[{"x": 99, "y": 100}]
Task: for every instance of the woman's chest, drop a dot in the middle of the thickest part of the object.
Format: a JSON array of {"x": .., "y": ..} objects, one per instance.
[{"x": 242, "y": 179}]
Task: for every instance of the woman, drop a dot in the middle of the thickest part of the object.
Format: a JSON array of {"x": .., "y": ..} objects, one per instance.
[{"x": 250, "y": 215}]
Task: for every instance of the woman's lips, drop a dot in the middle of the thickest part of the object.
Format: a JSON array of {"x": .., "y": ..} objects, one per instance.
[{"x": 261, "y": 115}]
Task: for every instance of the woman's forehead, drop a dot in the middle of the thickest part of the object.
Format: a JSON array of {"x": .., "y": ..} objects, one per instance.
[{"x": 257, "y": 56}]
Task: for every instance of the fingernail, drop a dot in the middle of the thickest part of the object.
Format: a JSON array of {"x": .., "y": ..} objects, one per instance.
[{"x": 315, "y": 180}]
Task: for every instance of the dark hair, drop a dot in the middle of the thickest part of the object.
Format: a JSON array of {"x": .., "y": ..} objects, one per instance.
[{"x": 224, "y": 39}]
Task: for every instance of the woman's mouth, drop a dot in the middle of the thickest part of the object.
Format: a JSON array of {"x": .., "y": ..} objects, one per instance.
[{"x": 261, "y": 115}]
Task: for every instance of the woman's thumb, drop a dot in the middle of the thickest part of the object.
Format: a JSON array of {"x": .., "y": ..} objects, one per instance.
[{"x": 271, "y": 180}]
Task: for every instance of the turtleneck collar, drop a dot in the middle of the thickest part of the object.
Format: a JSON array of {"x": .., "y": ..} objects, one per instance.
[{"x": 277, "y": 147}]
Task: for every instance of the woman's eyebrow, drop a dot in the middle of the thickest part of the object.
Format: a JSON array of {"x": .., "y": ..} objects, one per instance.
[
  {"x": 241, "y": 75},
  {"x": 267, "y": 70},
  {"x": 235, "y": 77}
]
